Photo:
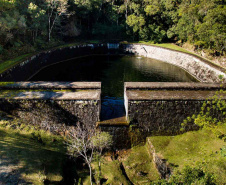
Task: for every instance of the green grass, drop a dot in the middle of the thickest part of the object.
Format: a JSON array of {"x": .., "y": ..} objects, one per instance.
[
  {"x": 138, "y": 165},
  {"x": 167, "y": 45},
  {"x": 12, "y": 62},
  {"x": 192, "y": 148},
  {"x": 112, "y": 172},
  {"x": 139, "y": 162},
  {"x": 36, "y": 155}
]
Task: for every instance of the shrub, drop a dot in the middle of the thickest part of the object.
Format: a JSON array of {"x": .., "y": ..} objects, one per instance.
[{"x": 194, "y": 175}]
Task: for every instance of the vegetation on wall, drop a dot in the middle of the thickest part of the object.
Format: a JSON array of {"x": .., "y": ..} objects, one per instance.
[{"x": 26, "y": 26}]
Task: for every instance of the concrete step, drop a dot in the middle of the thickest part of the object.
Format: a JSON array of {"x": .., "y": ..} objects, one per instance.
[{"x": 120, "y": 121}]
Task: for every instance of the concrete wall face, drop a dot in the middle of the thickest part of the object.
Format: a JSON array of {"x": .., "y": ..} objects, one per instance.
[{"x": 195, "y": 66}]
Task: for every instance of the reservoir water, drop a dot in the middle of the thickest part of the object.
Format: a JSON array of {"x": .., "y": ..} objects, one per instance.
[{"x": 113, "y": 71}]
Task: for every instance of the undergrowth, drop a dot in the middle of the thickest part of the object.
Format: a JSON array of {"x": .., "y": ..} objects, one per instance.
[{"x": 198, "y": 151}]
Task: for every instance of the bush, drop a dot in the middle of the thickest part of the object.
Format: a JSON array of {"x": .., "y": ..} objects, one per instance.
[
  {"x": 195, "y": 175},
  {"x": 211, "y": 116},
  {"x": 1, "y": 49},
  {"x": 200, "y": 44}
]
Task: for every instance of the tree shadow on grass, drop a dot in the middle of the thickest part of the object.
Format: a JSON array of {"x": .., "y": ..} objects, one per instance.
[{"x": 31, "y": 160}]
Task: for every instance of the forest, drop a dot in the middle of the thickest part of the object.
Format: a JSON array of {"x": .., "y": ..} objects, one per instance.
[{"x": 30, "y": 25}]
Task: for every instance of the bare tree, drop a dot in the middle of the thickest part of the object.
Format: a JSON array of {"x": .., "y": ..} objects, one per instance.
[
  {"x": 55, "y": 9},
  {"x": 84, "y": 141},
  {"x": 80, "y": 144},
  {"x": 101, "y": 141}
]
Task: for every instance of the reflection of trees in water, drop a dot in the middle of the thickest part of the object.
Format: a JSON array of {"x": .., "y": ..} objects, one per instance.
[{"x": 162, "y": 70}]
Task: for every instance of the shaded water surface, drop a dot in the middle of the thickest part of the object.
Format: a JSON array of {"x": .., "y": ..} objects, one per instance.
[{"x": 113, "y": 71}]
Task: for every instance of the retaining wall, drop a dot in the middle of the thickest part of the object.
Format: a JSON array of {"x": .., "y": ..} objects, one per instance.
[
  {"x": 160, "y": 108},
  {"x": 24, "y": 70},
  {"x": 201, "y": 69},
  {"x": 53, "y": 106}
]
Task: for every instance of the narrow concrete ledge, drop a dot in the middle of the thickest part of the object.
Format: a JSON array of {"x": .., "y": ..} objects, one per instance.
[
  {"x": 50, "y": 85},
  {"x": 152, "y": 95},
  {"x": 51, "y": 95},
  {"x": 173, "y": 86},
  {"x": 121, "y": 121}
]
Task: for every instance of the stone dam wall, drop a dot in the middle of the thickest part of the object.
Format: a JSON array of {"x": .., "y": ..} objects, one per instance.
[
  {"x": 201, "y": 69},
  {"x": 151, "y": 108},
  {"x": 160, "y": 108},
  {"x": 54, "y": 106},
  {"x": 25, "y": 70}
]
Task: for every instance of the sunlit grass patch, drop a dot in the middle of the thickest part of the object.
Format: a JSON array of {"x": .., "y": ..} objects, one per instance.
[
  {"x": 194, "y": 148},
  {"x": 12, "y": 62},
  {"x": 36, "y": 155},
  {"x": 140, "y": 167},
  {"x": 111, "y": 171}
]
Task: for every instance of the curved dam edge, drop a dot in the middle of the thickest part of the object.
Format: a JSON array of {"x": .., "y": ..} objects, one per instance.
[{"x": 201, "y": 69}]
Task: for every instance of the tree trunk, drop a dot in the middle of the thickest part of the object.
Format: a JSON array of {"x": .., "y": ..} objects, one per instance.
[
  {"x": 49, "y": 30},
  {"x": 90, "y": 174},
  {"x": 99, "y": 171}
]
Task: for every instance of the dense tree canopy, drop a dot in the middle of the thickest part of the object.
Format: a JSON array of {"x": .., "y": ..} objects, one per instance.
[{"x": 28, "y": 25}]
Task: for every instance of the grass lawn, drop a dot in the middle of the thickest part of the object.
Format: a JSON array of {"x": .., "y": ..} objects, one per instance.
[
  {"x": 132, "y": 166},
  {"x": 140, "y": 167},
  {"x": 193, "y": 148},
  {"x": 12, "y": 62},
  {"x": 36, "y": 156},
  {"x": 166, "y": 45}
]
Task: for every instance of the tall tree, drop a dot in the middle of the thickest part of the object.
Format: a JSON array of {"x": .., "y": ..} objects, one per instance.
[{"x": 55, "y": 9}]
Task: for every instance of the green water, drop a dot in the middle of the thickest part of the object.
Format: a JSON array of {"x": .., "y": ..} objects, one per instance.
[{"x": 113, "y": 71}]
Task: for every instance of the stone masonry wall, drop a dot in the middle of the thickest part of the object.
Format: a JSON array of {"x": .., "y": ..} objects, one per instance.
[
  {"x": 158, "y": 109},
  {"x": 53, "y": 110},
  {"x": 120, "y": 135},
  {"x": 162, "y": 116},
  {"x": 203, "y": 70},
  {"x": 55, "y": 116}
]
